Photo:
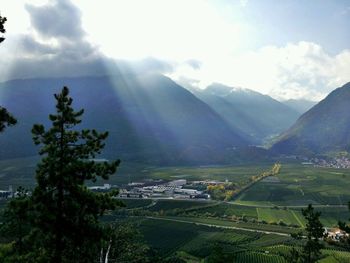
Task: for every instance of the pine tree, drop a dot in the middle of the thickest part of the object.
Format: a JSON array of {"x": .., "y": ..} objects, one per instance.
[
  {"x": 6, "y": 119},
  {"x": 345, "y": 227},
  {"x": 66, "y": 224},
  {"x": 2, "y": 27},
  {"x": 312, "y": 249}
]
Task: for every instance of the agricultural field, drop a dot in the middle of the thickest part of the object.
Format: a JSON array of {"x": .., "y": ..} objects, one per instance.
[
  {"x": 229, "y": 224},
  {"x": 194, "y": 243},
  {"x": 239, "y": 174},
  {"x": 331, "y": 215},
  {"x": 136, "y": 203},
  {"x": 259, "y": 257},
  {"x": 335, "y": 256},
  {"x": 21, "y": 172},
  {"x": 288, "y": 215},
  {"x": 18, "y": 172},
  {"x": 254, "y": 227},
  {"x": 299, "y": 185},
  {"x": 296, "y": 185},
  {"x": 166, "y": 205},
  {"x": 197, "y": 240},
  {"x": 292, "y": 189},
  {"x": 280, "y": 215},
  {"x": 229, "y": 210}
]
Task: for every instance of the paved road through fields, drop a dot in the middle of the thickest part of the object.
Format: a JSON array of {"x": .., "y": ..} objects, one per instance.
[{"x": 219, "y": 226}]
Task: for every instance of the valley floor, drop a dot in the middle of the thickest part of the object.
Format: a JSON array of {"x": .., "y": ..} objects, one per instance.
[{"x": 254, "y": 227}]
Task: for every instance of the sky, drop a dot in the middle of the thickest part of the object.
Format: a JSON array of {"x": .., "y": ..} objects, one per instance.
[{"x": 291, "y": 49}]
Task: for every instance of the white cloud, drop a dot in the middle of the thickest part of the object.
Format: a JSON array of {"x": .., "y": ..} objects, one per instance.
[
  {"x": 192, "y": 35},
  {"x": 166, "y": 29},
  {"x": 56, "y": 45},
  {"x": 301, "y": 70},
  {"x": 243, "y": 3}
]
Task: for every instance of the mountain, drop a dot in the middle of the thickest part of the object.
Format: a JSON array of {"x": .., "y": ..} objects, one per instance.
[
  {"x": 254, "y": 115},
  {"x": 324, "y": 128},
  {"x": 150, "y": 118},
  {"x": 300, "y": 105}
]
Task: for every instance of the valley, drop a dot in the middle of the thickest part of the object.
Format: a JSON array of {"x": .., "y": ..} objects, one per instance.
[
  {"x": 201, "y": 171},
  {"x": 174, "y": 131},
  {"x": 259, "y": 219},
  {"x": 295, "y": 186}
]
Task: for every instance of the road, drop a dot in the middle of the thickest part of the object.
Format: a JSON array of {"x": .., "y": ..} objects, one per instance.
[
  {"x": 281, "y": 206},
  {"x": 217, "y": 202},
  {"x": 219, "y": 226}
]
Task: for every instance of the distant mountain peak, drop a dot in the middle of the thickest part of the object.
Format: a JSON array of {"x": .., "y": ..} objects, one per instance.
[
  {"x": 219, "y": 89},
  {"x": 254, "y": 114}
]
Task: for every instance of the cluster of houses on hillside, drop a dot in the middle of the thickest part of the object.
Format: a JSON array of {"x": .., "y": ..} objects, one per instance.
[
  {"x": 339, "y": 163},
  {"x": 5, "y": 194},
  {"x": 177, "y": 189},
  {"x": 335, "y": 234}
]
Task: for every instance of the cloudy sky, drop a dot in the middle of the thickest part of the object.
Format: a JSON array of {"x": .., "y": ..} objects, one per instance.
[{"x": 287, "y": 49}]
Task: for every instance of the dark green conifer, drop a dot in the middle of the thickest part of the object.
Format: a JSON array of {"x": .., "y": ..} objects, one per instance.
[
  {"x": 311, "y": 251},
  {"x": 66, "y": 226},
  {"x": 6, "y": 119},
  {"x": 345, "y": 227},
  {"x": 2, "y": 27}
]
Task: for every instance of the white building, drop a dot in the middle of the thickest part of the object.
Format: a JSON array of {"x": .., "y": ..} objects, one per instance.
[
  {"x": 100, "y": 188},
  {"x": 178, "y": 183}
]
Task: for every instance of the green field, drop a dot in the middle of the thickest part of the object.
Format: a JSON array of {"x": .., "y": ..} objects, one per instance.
[
  {"x": 272, "y": 207},
  {"x": 168, "y": 237},
  {"x": 296, "y": 185},
  {"x": 274, "y": 215},
  {"x": 294, "y": 188},
  {"x": 196, "y": 242},
  {"x": 21, "y": 172},
  {"x": 238, "y": 174},
  {"x": 290, "y": 216},
  {"x": 136, "y": 203},
  {"x": 167, "y": 205},
  {"x": 228, "y": 210},
  {"x": 301, "y": 185},
  {"x": 18, "y": 172},
  {"x": 233, "y": 224}
]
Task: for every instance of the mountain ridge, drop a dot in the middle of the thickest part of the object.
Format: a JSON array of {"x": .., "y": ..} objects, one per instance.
[
  {"x": 257, "y": 116},
  {"x": 155, "y": 119},
  {"x": 324, "y": 128}
]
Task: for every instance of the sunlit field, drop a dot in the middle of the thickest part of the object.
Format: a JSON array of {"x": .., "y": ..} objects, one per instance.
[{"x": 301, "y": 185}]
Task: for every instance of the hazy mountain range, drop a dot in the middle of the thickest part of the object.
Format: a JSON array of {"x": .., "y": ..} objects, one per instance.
[
  {"x": 253, "y": 114},
  {"x": 152, "y": 119},
  {"x": 148, "y": 117}
]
